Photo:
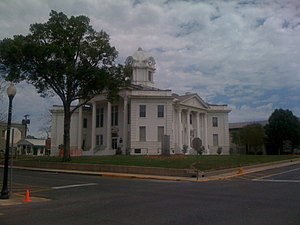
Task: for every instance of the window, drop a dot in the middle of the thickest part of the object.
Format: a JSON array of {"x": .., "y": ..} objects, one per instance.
[
  {"x": 160, "y": 111},
  {"x": 101, "y": 117},
  {"x": 137, "y": 151},
  {"x": 215, "y": 121},
  {"x": 143, "y": 133},
  {"x": 149, "y": 76},
  {"x": 160, "y": 133},
  {"x": 142, "y": 110},
  {"x": 99, "y": 140},
  {"x": 114, "y": 143},
  {"x": 215, "y": 140},
  {"x": 191, "y": 118},
  {"x": 114, "y": 115},
  {"x": 85, "y": 123},
  {"x": 97, "y": 117}
]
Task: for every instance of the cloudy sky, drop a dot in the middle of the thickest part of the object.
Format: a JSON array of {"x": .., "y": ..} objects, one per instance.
[{"x": 244, "y": 53}]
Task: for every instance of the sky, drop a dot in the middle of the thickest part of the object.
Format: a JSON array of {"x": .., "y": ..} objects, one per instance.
[{"x": 243, "y": 53}]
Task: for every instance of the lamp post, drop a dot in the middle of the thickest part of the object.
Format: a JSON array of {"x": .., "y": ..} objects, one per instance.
[{"x": 11, "y": 92}]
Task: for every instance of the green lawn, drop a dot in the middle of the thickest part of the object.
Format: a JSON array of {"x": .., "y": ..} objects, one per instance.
[{"x": 203, "y": 163}]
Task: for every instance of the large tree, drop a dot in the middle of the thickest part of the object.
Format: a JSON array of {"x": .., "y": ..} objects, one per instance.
[
  {"x": 253, "y": 137},
  {"x": 2, "y": 94},
  {"x": 283, "y": 126},
  {"x": 67, "y": 57}
]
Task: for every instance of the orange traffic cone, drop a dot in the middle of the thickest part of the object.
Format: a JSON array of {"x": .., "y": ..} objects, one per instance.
[{"x": 27, "y": 197}]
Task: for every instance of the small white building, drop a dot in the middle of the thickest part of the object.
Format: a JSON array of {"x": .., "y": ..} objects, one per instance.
[
  {"x": 142, "y": 118},
  {"x": 29, "y": 146}
]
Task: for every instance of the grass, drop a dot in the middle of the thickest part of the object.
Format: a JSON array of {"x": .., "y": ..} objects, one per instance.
[{"x": 203, "y": 163}]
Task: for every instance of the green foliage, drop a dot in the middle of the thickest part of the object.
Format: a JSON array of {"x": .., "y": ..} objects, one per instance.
[
  {"x": 67, "y": 57},
  {"x": 282, "y": 126},
  {"x": 253, "y": 136},
  {"x": 236, "y": 137}
]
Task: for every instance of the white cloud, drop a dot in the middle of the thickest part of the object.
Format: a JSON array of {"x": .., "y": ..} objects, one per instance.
[{"x": 244, "y": 53}]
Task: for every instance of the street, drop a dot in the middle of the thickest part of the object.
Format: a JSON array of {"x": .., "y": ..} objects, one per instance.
[{"x": 267, "y": 198}]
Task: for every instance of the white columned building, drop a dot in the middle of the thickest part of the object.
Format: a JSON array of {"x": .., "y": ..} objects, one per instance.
[{"x": 144, "y": 115}]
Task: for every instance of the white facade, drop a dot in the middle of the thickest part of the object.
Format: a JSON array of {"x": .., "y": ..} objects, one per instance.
[{"x": 137, "y": 123}]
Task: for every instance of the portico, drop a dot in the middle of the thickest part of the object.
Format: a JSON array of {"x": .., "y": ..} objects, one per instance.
[{"x": 192, "y": 123}]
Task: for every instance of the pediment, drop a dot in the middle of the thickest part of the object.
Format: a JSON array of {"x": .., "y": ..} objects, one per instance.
[{"x": 194, "y": 101}]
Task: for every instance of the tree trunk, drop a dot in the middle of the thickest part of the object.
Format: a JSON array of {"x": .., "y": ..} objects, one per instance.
[{"x": 67, "y": 125}]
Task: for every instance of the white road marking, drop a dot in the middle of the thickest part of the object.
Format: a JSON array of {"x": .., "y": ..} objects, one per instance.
[
  {"x": 275, "y": 174},
  {"x": 73, "y": 185},
  {"x": 279, "y": 181}
]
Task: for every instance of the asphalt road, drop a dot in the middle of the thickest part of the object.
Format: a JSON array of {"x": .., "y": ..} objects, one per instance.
[{"x": 266, "y": 198}]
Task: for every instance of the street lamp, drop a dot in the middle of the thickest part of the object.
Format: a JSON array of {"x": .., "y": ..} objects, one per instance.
[{"x": 11, "y": 92}]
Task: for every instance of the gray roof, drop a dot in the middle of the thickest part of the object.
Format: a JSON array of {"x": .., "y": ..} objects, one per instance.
[
  {"x": 243, "y": 124},
  {"x": 33, "y": 142}
]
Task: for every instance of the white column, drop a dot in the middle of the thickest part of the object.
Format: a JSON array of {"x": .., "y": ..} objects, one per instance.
[
  {"x": 108, "y": 127},
  {"x": 197, "y": 124},
  {"x": 202, "y": 128},
  {"x": 79, "y": 135},
  {"x": 205, "y": 134},
  {"x": 93, "y": 125},
  {"x": 125, "y": 125},
  {"x": 188, "y": 131},
  {"x": 179, "y": 130}
]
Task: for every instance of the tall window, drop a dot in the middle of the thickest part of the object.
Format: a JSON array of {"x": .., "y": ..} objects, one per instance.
[
  {"x": 101, "y": 117},
  {"x": 142, "y": 110},
  {"x": 114, "y": 143},
  {"x": 191, "y": 118},
  {"x": 215, "y": 140},
  {"x": 149, "y": 76},
  {"x": 215, "y": 121},
  {"x": 99, "y": 139},
  {"x": 114, "y": 115},
  {"x": 97, "y": 117},
  {"x": 160, "y": 133},
  {"x": 160, "y": 111},
  {"x": 142, "y": 133},
  {"x": 84, "y": 122}
]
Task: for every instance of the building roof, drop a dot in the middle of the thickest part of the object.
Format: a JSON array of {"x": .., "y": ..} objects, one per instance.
[
  {"x": 33, "y": 142},
  {"x": 243, "y": 124},
  {"x": 144, "y": 88}
]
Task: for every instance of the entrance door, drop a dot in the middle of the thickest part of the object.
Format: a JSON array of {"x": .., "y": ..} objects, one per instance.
[{"x": 114, "y": 143}]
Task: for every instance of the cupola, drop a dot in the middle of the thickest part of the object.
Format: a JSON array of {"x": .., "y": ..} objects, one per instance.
[{"x": 143, "y": 68}]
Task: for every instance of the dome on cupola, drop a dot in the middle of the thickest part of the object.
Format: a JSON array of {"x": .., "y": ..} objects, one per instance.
[
  {"x": 139, "y": 55},
  {"x": 140, "y": 59}
]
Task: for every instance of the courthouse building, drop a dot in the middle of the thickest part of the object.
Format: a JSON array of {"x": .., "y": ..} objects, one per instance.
[{"x": 142, "y": 118}]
